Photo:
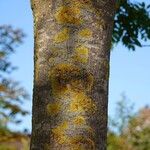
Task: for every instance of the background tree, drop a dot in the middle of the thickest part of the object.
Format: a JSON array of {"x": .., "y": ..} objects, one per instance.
[
  {"x": 72, "y": 47},
  {"x": 117, "y": 142},
  {"x": 12, "y": 95},
  {"x": 135, "y": 134},
  {"x": 124, "y": 111},
  {"x": 138, "y": 130}
]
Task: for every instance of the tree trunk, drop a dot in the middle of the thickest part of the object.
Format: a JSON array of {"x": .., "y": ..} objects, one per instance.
[{"x": 72, "y": 48}]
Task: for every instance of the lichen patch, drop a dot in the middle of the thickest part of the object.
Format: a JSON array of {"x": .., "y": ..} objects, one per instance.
[
  {"x": 62, "y": 36},
  {"x": 81, "y": 54},
  {"x": 59, "y": 133},
  {"x": 53, "y": 108},
  {"x": 85, "y": 33},
  {"x": 82, "y": 142},
  {"x": 68, "y": 15},
  {"x": 82, "y": 103},
  {"x": 79, "y": 120}
]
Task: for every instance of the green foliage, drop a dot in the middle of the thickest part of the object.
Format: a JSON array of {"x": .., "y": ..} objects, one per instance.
[
  {"x": 11, "y": 94},
  {"x": 132, "y": 23}
]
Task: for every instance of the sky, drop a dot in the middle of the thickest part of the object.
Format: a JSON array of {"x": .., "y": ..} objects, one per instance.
[{"x": 129, "y": 73}]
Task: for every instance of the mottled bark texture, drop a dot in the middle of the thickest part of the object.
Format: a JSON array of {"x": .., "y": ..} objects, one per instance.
[{"x": 72, "y": 48}]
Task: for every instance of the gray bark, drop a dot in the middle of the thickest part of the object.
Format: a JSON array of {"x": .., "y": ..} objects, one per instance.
[{"x": 70, "y": 95}]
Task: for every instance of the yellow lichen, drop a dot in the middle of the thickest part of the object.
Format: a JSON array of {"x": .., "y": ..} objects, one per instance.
[
  {"x": 85, "y": 33},
  {"x": 53, "y": 108},
  {"x": 66, "y": 14},
  {"x": 82, "y": 50},
  {"x": 80, "y": 3},
  {"x": 63, "y": 139},
  {"x": 79, "y": 120},
  {"x": 82, "y": 142},
  {"x": 60, "y": 128},
  {"x": 60, "y": 76},
  {"x": 66, "y": 77},
  {"x": 82, "y": 103},
  {"x": 62, "y": 36},
  {"x": 81, "y": 54},
  {"x": 59, "y": 133}
]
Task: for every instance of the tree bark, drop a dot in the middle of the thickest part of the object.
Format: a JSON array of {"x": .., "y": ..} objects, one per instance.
[{"x": 70, "y": 96}]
